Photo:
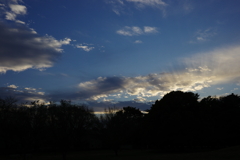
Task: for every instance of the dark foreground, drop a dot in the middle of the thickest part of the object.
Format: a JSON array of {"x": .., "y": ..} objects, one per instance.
[{"x": 230, "y": 153}]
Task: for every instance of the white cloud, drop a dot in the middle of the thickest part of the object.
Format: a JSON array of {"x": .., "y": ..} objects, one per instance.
[
  {"x": 135, "y": 30},
  {"x": 30, "y": 89},
  {"x": 18, "y": 9},
  {"x": 12, "y": 86},
  {"x": 85, "y": 47},
  {"x": 130, "y": 31},
  {"x": 222, "y": 64},
  {"x": 12, "y": 9},
  {"x": 41, "y": 93},
  {"x": 148, "y": 29},
  {"x": 21, "y": 22},
  {"x": 10, "y": 16}
]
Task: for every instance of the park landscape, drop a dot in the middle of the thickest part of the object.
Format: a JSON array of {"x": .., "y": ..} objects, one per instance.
[{"x": 119, "y": 79}]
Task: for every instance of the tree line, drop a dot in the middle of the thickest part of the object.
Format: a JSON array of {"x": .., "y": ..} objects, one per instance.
[{"x": 176, "y": 122}]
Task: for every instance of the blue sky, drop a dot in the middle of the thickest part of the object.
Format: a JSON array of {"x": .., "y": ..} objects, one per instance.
[{"x": 107, "y": 53}]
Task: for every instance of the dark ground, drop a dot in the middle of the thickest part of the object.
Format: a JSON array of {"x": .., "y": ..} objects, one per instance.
[{"x": 230, "y": 153}]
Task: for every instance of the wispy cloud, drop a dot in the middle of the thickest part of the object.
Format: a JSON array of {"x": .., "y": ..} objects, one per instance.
[
  {"x": 188, "y": 7},
  {"x": 138, "y": 41},
  {"x": 135, "y": 30},
  {"x": 151, "y": 3},
  {"x": 119, "y": 6},
  {"x": 203, "y": 35},
  {"x": 85, "y": 47},
  {"x": 234, "y": 89}
]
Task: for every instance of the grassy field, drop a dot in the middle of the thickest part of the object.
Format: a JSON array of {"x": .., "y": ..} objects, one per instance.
[{"x": 231, "y": 153}]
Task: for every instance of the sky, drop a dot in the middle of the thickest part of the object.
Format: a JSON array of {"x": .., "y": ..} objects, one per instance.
[{"x": 105, "y": 53}]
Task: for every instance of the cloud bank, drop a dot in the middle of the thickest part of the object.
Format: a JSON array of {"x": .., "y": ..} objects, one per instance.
[{"x": 200, "y": 71}]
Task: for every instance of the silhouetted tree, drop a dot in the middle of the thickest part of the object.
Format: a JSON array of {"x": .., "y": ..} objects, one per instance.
[
  {"x": 123, "y": 127},
  {"x": 221, "y": 120},
  {"x": 69, "y": 123},
  {"x": 172, "y": 120}
]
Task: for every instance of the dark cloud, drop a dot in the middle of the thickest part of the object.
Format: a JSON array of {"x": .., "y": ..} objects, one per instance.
[
  {"x": 22, "y": 48},
  {"x": 110, "y": 83}
]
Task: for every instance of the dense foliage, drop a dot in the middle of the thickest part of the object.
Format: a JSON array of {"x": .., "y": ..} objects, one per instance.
[{"x": 177, "y": 121}]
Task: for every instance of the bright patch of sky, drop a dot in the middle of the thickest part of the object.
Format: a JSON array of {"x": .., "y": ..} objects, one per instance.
[{"x": 118, "y": 52}]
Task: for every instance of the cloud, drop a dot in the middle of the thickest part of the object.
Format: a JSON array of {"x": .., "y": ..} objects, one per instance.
[
  {"x": 85, "y": 47},
  {"x": 148, "y": 29},
  {"x": 140, "y": 99},
  {"x": 200, "y": 71},
  {"x": 12, "y": 9},
  {"x": 12, "y": 86},
  {"x": 235, "y": 89},
  {"x": 187, "y": 6},
  {"x": 22, "y": 94},
  {"x": 222, "y": 64},
  {"x": 151, "y": 3},
  {"x": 22, "y": 48},
  {"x": 18, "y": 9},
  {"x": 119, "y": 6},
  {"x": 142, "y": 86},
  {"x": 130, "y": 31},
  {"x": 136, "y": 31},
  {"x": 203, "y": 35},
  {"x": 138, "y": 41}
]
